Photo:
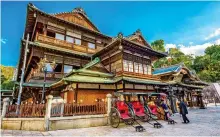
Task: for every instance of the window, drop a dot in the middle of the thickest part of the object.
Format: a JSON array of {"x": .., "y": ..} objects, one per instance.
[
  {"x": 130, "y": 66},
  {"x": 59, "y": 36},
  {"x": 78, "y": 41},
  {"x": 69, "y": 39},
  {"x": 125, "y": 65},
  {"x": 51, "y": 34},
  {"x": 91, "y": 45},
  {"x": 49, "y": 68},
  {"x": 149, "y": 69},
  {"x": 135, "y": 67},
  {"x": 145, "y": 69},
  {"x": 67, "y": 68},
  {"x": 58, "y": 68},
  {"x": 140, "y": 68}
]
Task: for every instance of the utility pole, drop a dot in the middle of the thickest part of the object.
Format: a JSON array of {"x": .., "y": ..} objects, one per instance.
[{"x": 22, "y": 75}]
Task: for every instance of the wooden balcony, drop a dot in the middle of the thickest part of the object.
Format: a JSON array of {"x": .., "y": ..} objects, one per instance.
[
  {"x": 64, "y": 44},
  {"x": 137, "y": 75},
  {"x": 40, "y": 75}
]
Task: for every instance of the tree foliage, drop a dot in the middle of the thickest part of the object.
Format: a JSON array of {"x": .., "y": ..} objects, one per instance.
[
  {"x": 6, "y": 77},
  {"x": 207, "y": 66},
  {"x": 158, "y": 45}
]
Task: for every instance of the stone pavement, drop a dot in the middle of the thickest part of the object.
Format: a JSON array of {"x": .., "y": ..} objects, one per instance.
[{"x": 204, "y": 122}]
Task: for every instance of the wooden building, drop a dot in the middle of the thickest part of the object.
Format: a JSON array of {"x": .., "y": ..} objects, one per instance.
[
  {"x": 183, "y": 83},
  {"x": 83, "y": 65}
]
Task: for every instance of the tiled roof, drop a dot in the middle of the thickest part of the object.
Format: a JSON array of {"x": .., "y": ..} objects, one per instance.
[
  {"x": 47, "y": 85},
  {"x": 173, "y": 68},
  {"x": 143, "y": 81}
]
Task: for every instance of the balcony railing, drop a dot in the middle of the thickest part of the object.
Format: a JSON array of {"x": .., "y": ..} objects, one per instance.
[
  {"x": 63, "y": 44},
  {"x": 138, "y": 75},
  {"x": 38, "y": 74}
]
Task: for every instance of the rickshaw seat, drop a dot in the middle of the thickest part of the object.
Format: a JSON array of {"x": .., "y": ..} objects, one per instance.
[
  {"x": 123, "y": 109},
  {"x": 138, "y": 108}
]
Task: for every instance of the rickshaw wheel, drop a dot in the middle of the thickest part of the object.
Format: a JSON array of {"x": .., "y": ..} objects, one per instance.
[{"x": 114, "y": 118}]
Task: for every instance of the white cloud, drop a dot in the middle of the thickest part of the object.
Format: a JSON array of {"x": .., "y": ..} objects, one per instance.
[
  {"x": 4, "y": 41},
  {"x": 217, "y": 42},
  {"x": 167, "y": 46},
  {"x": 196, "y": 50},
  {"x": 214, "y": 34}
]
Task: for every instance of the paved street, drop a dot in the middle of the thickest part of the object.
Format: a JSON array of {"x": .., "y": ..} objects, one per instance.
[{"x": 203, "y": 122}]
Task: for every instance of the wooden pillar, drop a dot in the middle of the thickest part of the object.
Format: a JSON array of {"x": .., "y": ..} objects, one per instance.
[
  {"x": 191, "y": 100},
  {"x": 45, "y": 30},
  {"x": 76, "y": 93}
]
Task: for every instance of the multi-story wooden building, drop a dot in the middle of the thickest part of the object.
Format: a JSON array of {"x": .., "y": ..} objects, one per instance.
[
  {"x": 83, "y": 65},
  {"x": 70, "y": 41}
]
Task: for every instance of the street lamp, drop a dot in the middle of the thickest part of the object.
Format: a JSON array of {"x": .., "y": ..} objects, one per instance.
[{"x": 43, "y": 65}]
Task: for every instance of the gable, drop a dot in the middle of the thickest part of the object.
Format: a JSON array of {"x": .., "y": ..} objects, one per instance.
[
  {"x": 138, "y": 38},
  {"x": 77, "y": 18}
]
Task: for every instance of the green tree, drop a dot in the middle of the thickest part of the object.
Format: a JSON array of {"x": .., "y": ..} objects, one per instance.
[
  {"x": 158, "y": 45},
  {"x": 208, "y": 65},
  {"x": 6, "y": 77}
]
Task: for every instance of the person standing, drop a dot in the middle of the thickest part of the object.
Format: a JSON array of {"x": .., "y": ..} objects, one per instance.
[
  {"x": 183, "y": 111},
  {"x": 165, "y": 108}
]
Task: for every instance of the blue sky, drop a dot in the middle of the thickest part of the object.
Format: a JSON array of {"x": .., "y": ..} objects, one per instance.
[{"x": 190, "y": 26}]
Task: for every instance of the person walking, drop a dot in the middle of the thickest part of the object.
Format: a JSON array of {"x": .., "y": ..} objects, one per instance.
[{"x": 183, "y": 111}]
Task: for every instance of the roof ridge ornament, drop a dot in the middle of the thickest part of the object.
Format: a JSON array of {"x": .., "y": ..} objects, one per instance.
[
  {"x": 120, "y": 35},
  {"x": 79, "y": 10},
  {"x": 138, "y": 31}
]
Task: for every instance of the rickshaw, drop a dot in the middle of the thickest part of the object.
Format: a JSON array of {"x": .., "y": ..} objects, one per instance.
[
  {"x": 157, "y": 109},
  {"x": 130, "y": 111},
  {"x": 122, "y": 112}
]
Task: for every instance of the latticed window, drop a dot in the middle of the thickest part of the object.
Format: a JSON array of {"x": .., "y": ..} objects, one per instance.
[
  {"x": 136, "y": 67},
  {"x": 140, "y": 68},
  {"x": 149, "y": 69},
  {"x": 145, "y": 69},
  {"x": 130, "y": 66},
  {"x": 125, "y": 65}
]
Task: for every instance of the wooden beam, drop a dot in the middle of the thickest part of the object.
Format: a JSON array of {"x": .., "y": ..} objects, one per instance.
[{"x": 35, "y": 24}]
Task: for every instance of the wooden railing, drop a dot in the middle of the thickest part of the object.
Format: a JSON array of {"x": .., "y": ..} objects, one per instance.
[
  {"x": 63, "y": 44},
  {"x": 138, "y": 75},
  {"x": 49, "y": 75},
  {"x": 78, "y": 109},
  {"x": 27, "y": 110},
  {"x": 57, "y": 110}
]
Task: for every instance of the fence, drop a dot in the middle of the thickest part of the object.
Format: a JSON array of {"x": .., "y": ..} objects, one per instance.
[
  {"x": 26, "y": 110},
  {"x": 57, "y": 110},
  {"x": 77, "y": 109}
]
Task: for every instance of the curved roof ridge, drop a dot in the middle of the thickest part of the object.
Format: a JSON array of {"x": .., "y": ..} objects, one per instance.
[{"x": 171, "y": 66}]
